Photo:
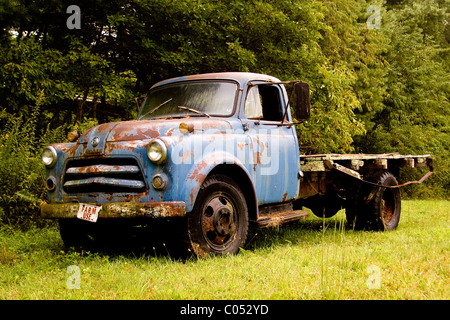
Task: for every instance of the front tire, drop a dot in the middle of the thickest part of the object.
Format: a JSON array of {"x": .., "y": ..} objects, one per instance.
[{"x": 218, "y": 223}]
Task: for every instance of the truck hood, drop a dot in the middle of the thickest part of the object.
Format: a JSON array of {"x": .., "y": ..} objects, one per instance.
[{"x": 149, "y": 129}]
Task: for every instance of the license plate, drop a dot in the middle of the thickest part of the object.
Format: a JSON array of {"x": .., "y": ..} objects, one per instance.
[{"x": 88, "y": 212}]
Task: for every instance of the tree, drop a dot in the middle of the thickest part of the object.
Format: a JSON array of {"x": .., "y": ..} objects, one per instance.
[
  {"x": 413, "y": 117},
  {"x": 372, "y": 90}
]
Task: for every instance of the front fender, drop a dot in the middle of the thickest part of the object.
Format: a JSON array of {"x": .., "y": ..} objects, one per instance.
[{"x": 201, "y": 169}]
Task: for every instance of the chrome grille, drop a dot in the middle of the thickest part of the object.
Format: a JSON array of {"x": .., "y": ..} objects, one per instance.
[{"x": 103, "y": 175}]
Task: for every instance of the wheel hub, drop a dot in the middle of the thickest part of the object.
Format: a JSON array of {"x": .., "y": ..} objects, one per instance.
[{"x": 219, "y": 220}]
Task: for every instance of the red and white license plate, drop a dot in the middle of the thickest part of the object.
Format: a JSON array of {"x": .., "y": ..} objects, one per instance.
[{"x": 88, "y": 212}]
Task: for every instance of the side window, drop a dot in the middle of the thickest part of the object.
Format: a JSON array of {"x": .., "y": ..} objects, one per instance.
[
  {"x": 253, "y": 106},
  {"x": 263, "y": 102}
]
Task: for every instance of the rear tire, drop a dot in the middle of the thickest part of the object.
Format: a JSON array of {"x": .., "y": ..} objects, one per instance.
[
  {"x": 218, "y": 223},
  {"x": 373, "y": 208}
]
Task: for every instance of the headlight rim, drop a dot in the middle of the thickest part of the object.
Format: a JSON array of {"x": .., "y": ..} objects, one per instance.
[
  {"x": 54, "y": 156},
  {"x": 163, "y": 151}
]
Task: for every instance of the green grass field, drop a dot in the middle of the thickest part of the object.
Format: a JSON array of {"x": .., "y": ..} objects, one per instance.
[{"x": 310, "y": 259}]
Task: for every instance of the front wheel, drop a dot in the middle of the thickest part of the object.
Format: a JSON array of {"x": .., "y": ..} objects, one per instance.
[{"x": 218, "y": 223}]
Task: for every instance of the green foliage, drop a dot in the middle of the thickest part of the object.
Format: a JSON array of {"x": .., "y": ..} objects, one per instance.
[
  {"x": 64, "y": 83},
  {"x": 372, "y": 90},
  {"x": 29, "y": 74},
  {"x": 413, "y": 116},
  {"x": 22, "y": 174}
]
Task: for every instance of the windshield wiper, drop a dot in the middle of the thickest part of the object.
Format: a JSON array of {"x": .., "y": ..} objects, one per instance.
[
  {"x": 194, "y": 110},
  {"x": 151, "y": 111}
]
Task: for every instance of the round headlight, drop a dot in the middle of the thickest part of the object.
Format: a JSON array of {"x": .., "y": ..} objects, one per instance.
[
  {"x": 157, "y": 151},
  {"x": 49, "y": 156}
]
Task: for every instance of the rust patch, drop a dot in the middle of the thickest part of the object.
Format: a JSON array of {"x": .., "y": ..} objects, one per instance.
[
  {"x": 186, "y": 156},
  {"x": 241, "y": 145},
  {"x": 196, "y": 175},
  {"x": 276, "y": 219},
  {"x": 130, "y": 131},
  {"x": 170, "y": 132},
  {"x": 191, "y": 196}
]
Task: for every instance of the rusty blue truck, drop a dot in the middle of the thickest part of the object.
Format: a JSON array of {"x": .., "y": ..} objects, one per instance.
[{"x": 218, "y": 152}]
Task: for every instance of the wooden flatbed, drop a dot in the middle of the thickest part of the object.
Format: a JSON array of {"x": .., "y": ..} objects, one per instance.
[
  {"x": 329, "y": 182},
  {"x": 363, "y": 162}
]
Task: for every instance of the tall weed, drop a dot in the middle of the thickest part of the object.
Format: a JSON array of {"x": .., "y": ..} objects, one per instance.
[{"x": 21, "y": 170}]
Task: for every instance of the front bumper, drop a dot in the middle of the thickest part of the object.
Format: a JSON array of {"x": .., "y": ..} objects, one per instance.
[{"x": 118, "y": 210}]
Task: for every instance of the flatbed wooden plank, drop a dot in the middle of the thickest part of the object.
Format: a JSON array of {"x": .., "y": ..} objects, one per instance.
[
  {"x": 362, "y": 156},
  {"x": 317, "y": 162}
]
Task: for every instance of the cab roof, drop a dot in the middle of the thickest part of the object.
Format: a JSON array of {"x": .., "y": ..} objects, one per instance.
[{"x": 241, "y": 77}]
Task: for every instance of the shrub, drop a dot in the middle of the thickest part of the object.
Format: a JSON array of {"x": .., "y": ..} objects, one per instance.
[
  {"x": 22, "y": 174},
  {"x": 20, "y": 171}
]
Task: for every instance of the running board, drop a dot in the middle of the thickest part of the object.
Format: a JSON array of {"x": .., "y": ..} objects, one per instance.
[{"x": 275, "y": 219}]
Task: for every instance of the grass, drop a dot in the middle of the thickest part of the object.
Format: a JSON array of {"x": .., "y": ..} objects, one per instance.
[{"x": 311, "y": 259}]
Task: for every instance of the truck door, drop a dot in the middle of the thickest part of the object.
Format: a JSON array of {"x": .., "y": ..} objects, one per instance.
[{"x": 272, "y": 147}]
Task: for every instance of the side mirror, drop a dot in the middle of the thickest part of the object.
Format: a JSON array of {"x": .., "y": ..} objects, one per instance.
[{"x": 302, "y": 101}]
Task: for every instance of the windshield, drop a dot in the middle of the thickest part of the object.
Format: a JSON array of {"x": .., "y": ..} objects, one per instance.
[{"x": 190, "y": 99}]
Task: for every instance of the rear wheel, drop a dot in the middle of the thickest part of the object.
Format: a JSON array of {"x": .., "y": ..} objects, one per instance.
[
  {"x": 375, "y": 208},
  {"x": 218, "y": 224}
]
